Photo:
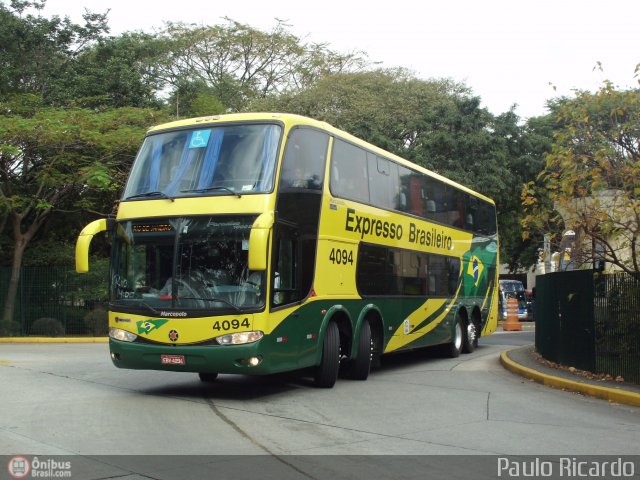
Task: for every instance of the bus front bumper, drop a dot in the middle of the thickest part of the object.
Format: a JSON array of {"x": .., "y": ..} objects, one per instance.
[{"x": 240, "y": 359}]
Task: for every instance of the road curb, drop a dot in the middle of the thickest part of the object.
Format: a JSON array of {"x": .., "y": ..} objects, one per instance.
[
  {"x": 597, "y": 391},
  {"x": 54, "y": 339}
]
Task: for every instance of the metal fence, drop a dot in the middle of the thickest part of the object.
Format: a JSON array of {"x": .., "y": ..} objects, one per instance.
[
  {"x": 55, "y": 301},
  {"x": 590, "y": 321}
]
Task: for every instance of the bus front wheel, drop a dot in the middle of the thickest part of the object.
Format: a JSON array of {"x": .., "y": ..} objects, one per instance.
[
  {"x": 327, "y": 372},
  {"x": 208, "y": 377}
]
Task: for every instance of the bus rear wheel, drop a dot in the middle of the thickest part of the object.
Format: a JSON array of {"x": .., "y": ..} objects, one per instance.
[
  {"x": 327, "y": 372},
  {"x": 454, "y": 348},
  {"x": 361, "y": 365},
  {"x": 470, "y": 338}
]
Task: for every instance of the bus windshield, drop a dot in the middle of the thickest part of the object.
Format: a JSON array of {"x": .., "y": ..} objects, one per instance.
[
  {"x": 185, "y": 264},
  {"x": 224, "y": 160}
]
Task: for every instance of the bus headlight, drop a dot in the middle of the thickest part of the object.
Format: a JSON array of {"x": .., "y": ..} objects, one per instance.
[
  {"x": 239, "y": 338},
  {"x": 122, "y": 335}
]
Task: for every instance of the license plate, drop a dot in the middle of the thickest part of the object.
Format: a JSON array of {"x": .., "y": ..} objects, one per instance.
[{"x": 172, "y": 359}]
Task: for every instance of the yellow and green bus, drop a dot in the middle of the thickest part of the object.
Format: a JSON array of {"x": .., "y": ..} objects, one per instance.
[{"x": 260, "y": 243}]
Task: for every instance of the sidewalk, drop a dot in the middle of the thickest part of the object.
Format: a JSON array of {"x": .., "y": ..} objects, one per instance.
[
  {"x": 523, "y": 361},
  {"x": 54, "y": 339}
]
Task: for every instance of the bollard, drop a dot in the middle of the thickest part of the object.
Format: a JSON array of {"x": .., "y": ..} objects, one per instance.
[{"x": 511, "y": 322}]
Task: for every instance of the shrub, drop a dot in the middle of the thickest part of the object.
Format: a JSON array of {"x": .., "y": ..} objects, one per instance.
[
  {"x": 10, "y": 330},
  {"x": 48, "y": 327},
  {"x": 96, "y": 322}
]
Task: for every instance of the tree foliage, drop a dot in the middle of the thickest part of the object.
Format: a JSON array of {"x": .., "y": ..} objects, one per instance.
[
  {"x": 238, "y": 63},
  {"x": 592, "y": 177},
  {"x": 62, "y": 161},
  {"x": 117, "y": 72},
  {"x": 39, "y": 55},
  {"x": 526, "y": 147}
]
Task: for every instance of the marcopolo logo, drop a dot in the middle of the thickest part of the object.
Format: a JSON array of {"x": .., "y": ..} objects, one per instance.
[
  {"x": 22, "y": 467},
  {"x": 164, "y": 313}
]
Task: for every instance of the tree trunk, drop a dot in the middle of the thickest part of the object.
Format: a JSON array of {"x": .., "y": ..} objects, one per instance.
[
  {"x": 20, "y": 242},
  {"x": 14, "y": 281}
]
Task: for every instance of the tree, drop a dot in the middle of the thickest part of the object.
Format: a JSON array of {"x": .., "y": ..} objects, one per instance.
[
  {"x": 592, "y": 178},
  {"x": 38, "y": 55},
  {"x": 117, "y": 72},
  {"x": 527, "y": 146},
  {"x": 67, "y": 64},
  {"x": 238, "y": 63},
  {"x": 54, "y": 160},
  {"x": 196, "y": 99}
]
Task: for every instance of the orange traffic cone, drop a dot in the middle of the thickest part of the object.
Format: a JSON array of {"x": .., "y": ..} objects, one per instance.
[{"x": 511, "y": 321}]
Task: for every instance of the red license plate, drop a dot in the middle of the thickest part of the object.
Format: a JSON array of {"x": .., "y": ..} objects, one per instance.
[{"x": 172, "y": 359}]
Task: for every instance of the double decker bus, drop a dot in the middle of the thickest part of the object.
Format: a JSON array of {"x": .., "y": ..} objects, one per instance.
[{"x": 262, "y": 243}]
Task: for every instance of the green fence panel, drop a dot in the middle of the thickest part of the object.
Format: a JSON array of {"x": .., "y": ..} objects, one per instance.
[
  {"x": 54, "y": 301},
  {"x": 565, "y": 316},
  {"x": 547, "y": 321},
  {"x": 617, "y": 314},
  {"x": 590, "y": 321}
]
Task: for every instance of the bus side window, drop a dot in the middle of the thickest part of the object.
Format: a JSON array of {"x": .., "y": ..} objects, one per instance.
[
  {"x": 284, "y": 279},
  {"x": 453, "y": 267},
  {"x": 412, "y": 189},
  {"x": 379, "y": 181},
  {"x": 471, "y": 209},
  {"x": 403, "y": 190},
  {"x": 353, "y": 179},
  {"x": 304, "y": 159}
]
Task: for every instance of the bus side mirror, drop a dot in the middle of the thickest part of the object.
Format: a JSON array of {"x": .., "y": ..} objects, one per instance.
[
  {"x": 259, "y": 241},
  {"x": 84, "y": 240}
]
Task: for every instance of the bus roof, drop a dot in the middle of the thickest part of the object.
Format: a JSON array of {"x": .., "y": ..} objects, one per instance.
[{"x": 290, "y": 119}]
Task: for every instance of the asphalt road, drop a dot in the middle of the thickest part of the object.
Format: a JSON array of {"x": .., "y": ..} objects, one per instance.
[{"x": 68, "y": 399}]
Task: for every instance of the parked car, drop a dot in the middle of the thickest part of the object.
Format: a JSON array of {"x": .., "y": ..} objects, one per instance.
[
  {"x": 531, "y": 304},
  {"x": 513, "y": 289}
]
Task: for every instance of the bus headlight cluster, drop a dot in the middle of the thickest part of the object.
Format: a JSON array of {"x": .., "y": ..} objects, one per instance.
[
  {"x": 122, "y": 335},
  {"x": 239, "y": 338}
]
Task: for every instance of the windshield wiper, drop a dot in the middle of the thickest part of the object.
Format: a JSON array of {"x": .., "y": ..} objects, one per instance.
[
  {"x": 151, "y": 194},
  {"x": 147, "y": 306},
  {"x": 221, "y": 300},
  {"x": 211, "y": 189}
]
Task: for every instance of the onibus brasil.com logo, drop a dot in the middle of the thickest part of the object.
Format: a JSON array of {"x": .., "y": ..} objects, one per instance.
[{"x": 22, "y": 467}]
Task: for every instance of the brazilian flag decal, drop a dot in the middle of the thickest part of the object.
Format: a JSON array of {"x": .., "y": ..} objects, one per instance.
[
  {"x": 147, "y": 326},
  {"x": 475, "y": 269}
]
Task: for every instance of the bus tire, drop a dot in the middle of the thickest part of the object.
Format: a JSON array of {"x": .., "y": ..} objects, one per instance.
[
  {"x": 470, "y": 340},
  {"x": 453, "y": 348},
  {"x": 207, "y": 377},
  {"x": 327, "y": 372},
  {"x": 361, "y": 365}
]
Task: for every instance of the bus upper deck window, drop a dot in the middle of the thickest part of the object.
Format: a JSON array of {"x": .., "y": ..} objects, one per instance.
[{"x": 304, "y": 159}]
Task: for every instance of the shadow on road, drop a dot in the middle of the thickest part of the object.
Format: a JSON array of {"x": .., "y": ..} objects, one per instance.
[
  {"x": 237, "y": 387},
  {"x": 240, "y": 387}
]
